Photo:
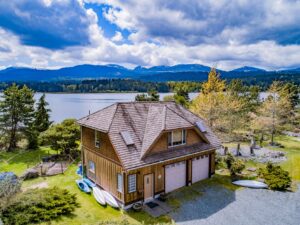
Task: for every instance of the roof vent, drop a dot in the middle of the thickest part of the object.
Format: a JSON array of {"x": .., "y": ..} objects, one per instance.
[
  {"x": 201, "y": 126},
  {"x": 127, "y": 138}
]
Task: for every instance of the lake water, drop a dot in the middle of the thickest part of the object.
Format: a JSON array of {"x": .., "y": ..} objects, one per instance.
[{"x": 78, "y": 105}]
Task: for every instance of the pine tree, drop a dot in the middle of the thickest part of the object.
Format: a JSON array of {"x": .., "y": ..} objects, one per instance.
[
  {"x": 16, "y": 113},
  {"x": 42, "y": 117}
]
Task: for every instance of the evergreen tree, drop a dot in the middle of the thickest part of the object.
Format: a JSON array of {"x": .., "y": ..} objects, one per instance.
[
  {"x": 42, "y": 117},
  {"x": 16, "y": 113}
]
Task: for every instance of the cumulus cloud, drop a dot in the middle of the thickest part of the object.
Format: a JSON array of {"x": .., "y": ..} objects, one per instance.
[
  {"x": 118, "y": 37},
  {"x": 51, "y": 24},
  {"x": 57, "y": 33}
]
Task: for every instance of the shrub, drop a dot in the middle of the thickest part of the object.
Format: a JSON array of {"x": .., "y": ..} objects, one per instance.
[
  {"x": 123, "y": 222},
  {"x": 237, "y": 167},
  {"x": 229, "y": 159},
  {"x": 38, "y": 205},
  {"x": 219, "y": 160},
  {"x": 275, "y": 177},
  {"x": 9, "y": 186}
]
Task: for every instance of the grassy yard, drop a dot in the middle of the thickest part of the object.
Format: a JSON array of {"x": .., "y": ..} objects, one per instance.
[
  {"x": 90, "y": 212},
  {"x": 20, "y": 160},
  {"x": 292, "y": 150}
]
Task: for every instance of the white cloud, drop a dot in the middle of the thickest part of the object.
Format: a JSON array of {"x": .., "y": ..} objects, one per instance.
[
  {"x": 164, "y": 32},
  {"x": 118, "y": 37}
]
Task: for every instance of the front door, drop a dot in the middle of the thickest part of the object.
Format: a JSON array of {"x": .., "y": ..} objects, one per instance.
[{"x": 148, "y": 187}]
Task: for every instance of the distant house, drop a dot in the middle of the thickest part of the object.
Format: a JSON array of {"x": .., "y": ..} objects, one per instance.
[{"x": 138, "y": 150}]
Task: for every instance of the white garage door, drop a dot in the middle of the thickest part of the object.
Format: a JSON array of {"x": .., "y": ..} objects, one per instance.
[
  {"x": 175, "y": 175},
  {"x": 200, "y": 168}
]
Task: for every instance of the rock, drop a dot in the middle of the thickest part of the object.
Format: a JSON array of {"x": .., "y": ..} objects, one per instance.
[
  {"x": 30, "y": 174},
  {"x": 252, "y": 169}
]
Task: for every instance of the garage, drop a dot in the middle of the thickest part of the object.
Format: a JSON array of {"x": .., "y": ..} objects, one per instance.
[
  {"x": 200, "y": 168},
  {"x": 175, "y": 176}
]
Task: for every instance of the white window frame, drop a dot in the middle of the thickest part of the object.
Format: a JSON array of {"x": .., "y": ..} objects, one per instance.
[
  {"x": 132, "y": 186},
  {"x": 97, "y": 141},
  {"x": 120, "y": 182},
  {"x": 183, "y": 138},
  {"x": 92, "y": 170}
]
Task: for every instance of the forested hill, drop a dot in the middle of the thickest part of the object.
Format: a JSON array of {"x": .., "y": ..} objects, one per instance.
[{"x": 180, "y": 72}]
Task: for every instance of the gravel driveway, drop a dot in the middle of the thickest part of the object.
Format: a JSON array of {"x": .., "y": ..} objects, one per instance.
[{"x": 220, "y": 206}]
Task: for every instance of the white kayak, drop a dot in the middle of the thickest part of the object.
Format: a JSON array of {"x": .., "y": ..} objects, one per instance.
[
  {"x": 250, "y": 183},
  {"x": 98, "y": 195},
  {"x": 110, "y": 200}
]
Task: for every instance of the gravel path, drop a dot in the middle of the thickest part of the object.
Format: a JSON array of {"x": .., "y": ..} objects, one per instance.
[{"x": 219, "y": 206}]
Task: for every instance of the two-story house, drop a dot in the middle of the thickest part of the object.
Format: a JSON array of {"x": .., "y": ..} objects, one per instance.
[{"x": 138, "y": 150}]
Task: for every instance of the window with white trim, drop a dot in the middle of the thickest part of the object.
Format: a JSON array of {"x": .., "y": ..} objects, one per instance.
[
  {"x": 92, "y": 168},
  {"x": 120, "y": 182},
  {"x": 97, "y": 139},
  {"x": 131, "y": 183},
  {"x": 177, "y": 137}
]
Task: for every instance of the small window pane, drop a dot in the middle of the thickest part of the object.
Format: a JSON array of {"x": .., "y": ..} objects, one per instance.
[
  {"x": 92, "y": 166},
  {"x": 183, "y": 136},
  {"x": 120, "y": 182},
  {"x": 177, "y": 136},
  {"x": 97, "y": 139},
  {"x": 131, "y": 183}
]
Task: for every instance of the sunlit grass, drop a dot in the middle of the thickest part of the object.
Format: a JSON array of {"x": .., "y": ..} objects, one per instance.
[{"x": 20, "y": 160}]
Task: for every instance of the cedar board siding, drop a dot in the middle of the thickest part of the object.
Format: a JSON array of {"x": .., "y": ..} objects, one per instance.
[
  {"x": 106, "y": 149},
  {"x": 158, "y": 169},
  {"x": 192, "y": 137},
  {"x": 105, "y": 173}
]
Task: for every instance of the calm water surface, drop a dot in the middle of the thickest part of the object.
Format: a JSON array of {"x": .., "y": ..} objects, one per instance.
[{"x": 78, "y": 105}]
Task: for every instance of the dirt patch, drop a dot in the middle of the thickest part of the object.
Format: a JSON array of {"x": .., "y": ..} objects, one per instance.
[{"x": 39, "y": 185}]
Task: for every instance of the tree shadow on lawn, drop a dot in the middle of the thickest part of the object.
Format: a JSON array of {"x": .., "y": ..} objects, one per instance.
[{"x": 203, "y": 199}]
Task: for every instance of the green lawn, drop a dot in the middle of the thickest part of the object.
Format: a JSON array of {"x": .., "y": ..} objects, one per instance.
[
  {"x": 90, "y": 212},
  {"x": 20, "y": 160},
  {"x": 292, "y": 150}
]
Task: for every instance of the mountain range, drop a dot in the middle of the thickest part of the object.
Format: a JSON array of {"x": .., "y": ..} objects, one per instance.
[{"x": 180, "y": 72}]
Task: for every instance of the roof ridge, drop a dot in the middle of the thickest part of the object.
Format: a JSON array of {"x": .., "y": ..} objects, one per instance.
[
  {"x": 106, "y": 107},
  {"x": 112, "y": 119},
  {"x": 180, "y": 115}
]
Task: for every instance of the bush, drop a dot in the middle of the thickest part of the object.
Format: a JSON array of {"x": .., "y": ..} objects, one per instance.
[
  {"x": 237, "y": 167},
  {"x": 38, "y": 205},
  {"x": 9, "y": 186},
  {"x": 275, "y": 177},
  {"x": 229, "y": 159},
  {"x": 219, "y": 161}
]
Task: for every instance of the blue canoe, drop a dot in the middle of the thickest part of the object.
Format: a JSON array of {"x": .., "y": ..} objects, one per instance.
[
  {"x": 89, "y": 182},
  {"x": 83, "y": 186},
  {"x": 79, "y": 170}
]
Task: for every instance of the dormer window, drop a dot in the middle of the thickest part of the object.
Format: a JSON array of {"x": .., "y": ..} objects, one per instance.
[
  {"x": 97, "y": 139},
  {"x": 177, "y": 137}
]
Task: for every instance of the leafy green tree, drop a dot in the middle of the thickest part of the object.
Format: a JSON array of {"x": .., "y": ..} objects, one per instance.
[
  {"x": 16, "y": 113},
  {"x": 63, "y": 137},
  {"x": 42, "y": 117}
]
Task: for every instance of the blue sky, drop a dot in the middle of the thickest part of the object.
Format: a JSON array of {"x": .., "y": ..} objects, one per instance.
[{"x": 226, "y": 34}]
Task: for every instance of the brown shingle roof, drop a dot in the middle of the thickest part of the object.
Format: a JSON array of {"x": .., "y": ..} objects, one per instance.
[{"x": 144, "y": 121}]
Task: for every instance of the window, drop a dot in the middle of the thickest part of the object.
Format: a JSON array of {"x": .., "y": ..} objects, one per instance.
[
  {"x": 91, "y": 166},
  {"x": 131, "y": 183},
  {"x": 177, "y": 137},
  {"x": 120, "y": 182},
  {"x": 97, "y": 139}
]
